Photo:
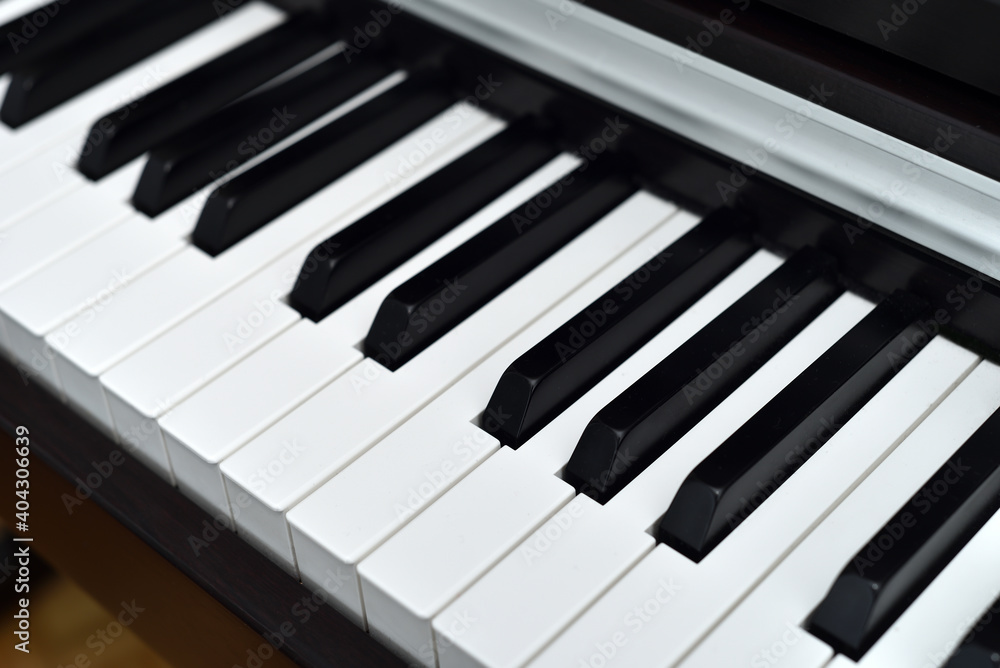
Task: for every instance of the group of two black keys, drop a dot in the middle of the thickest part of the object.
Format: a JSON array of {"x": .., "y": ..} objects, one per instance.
[{"x": 193, "y": 128}]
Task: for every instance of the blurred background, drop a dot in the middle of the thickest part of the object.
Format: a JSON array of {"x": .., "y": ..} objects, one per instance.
[{"x": 68, "y": 627}]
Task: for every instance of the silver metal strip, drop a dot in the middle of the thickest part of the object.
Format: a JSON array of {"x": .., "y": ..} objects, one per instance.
[{"x": 911, "y": 191}]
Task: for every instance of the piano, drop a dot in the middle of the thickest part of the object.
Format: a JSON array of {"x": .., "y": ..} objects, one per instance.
[{"x": 525, "y": 333}]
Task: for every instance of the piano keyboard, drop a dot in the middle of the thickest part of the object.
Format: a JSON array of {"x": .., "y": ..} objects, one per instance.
[{"x": 503, "y": 404}]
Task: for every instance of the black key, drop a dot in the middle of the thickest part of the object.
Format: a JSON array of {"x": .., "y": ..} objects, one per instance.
[
  {"x": 225, "y": 140},
  {"x": 65, "y": 72},
  {"x": 563, "y": 366},
  {"x": 57, "y": 24},
  {"x": 426, "y": 307},
  {"x": 131, "y": 130},
  {"x": 981, "y": 646},
  {"x": 751, "y": 464},
  {"x": 639, "y": 425},
  {"x": 357, "y": 256},
  {"x": 257, "y": 196},
  {"x": 913, "y": 547}
]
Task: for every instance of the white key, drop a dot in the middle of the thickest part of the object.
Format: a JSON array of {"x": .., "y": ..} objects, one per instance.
[
  {"x": 427, "y": 455},
  {"x": 160, "y": 375},
  {"x": 623, "y": 628},
  {"x": 45, "y": 178},
  {"x": 237, "y": 406},
  {"x": 14, "y": 9},
  {"x": 201, "y": 432},
  {"x": 709, "y": 589},
  {"x": 539, "y": 588},
  {"x": 933, "y": 626},
  {"x": 161, "y": 298},
  {"x": 67, "y": 125},
  {"x": 369, "y": 401},
  {"x": 33, "y": 302},
  {"x": 797, "y": 585},
  {"x": 411, "y": 467},
  {"x": 608, "y": 633},
  {"x": 459, "y": 538},
  {"x": 57, "y": 229},
  {"x": 80, "y": 284}
]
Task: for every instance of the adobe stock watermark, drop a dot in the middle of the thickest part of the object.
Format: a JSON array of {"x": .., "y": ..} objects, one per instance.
[
  {"x": 300, "y": 613},
  {"x": 549, "y": 534},
  {"x": 248, "y": 324},
  {"x": 259, "y": 141},
  {"x": 588, "y": 153},
  {"x": 458, "y": 623},
  {"x": 363, "y": 35},
  {"x": 920, "y": 504},
  {"x": 267, "y": 305},
  {"x": 563, "y": 11},
  {"x": 32, "y": 24},
  {"x": 713, "y": 29},
  {"x": 633, "y": 622},
  {"x": 784, "y": 128},
  {"x": 223, "y": 7},
  {"x": 92, "y": 480},
  {"x": 963, "y": 634},
  {"x": 247, "y": 149},
  {"x": 595, "y": 487},
  {"x": 428, "y": 145},
  {"x": 773, "y": 653},
  {"x": 609, "y": 133},
  {"x": 220, "y": 522},
  {"x": 751, "y": 331},
  {"x": 39, "y": 360},
  {"x": 153, "y": 77},
  {"x": 419, "y": 321},
  {"x": 265, "y": 475},
  {"x": 598, "y": 314},
  {"x": 106, "y": 126},
  {"x": 889, "y": 198},
  {"x": 957, "y": 299},
  {"x": 897, "y": 17},
  {"x": 442, "y": 475},
  {"x": 794, "y": 458},
  {"x": 100, "y": 640}
]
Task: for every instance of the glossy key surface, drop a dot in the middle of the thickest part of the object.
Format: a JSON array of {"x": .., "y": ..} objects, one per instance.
[
  {"x": 563, "y": 366},
  {"x": 354, "y": 258},
  {"x": 243, "y": 130},
  {"x": 130, "y": 130},
  {"x": 645, "y": 420},
  {"x": 429, "y": 305},
  {"x": 243, "y": 205},
  {"x": 774, "y": 443},
  {"x": 64, "y": 73},
  {"x": 924, "y": 535}
]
